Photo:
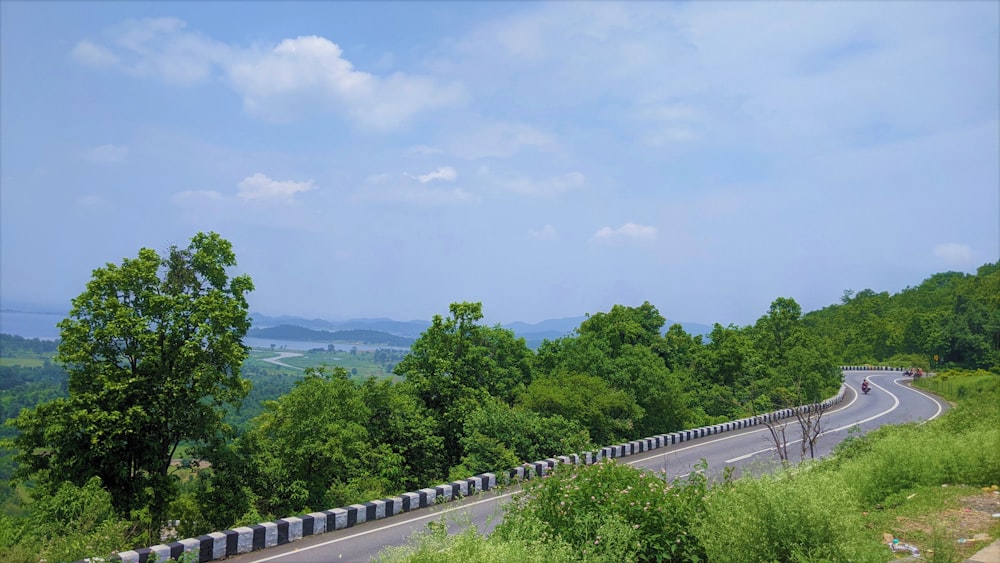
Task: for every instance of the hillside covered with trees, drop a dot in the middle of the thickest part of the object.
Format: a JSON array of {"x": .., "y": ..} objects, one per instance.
[{"x": 152, "y": 348}]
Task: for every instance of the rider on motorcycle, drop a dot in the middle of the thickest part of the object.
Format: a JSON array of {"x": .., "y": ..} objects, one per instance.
[{"x": 865, "y": 387}]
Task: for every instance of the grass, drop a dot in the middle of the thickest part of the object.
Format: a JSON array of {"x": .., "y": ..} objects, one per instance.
[
  {"x": 956, "y": 385},
  {"x": 33, "y": 362}
]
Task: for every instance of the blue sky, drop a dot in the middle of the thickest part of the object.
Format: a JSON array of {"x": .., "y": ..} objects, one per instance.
[{"x": 550, "y": 160}]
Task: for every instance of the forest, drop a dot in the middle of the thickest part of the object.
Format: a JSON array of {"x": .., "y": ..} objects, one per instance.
[{"x": 149, "y": 367}]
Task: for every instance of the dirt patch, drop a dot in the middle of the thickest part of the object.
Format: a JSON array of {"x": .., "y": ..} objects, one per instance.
[
  {"x": 954, "y": 533},
  {"x": 985, "y": 502}
]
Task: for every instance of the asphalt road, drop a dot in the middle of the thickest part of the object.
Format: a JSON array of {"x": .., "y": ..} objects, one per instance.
[{"x": 748, "y": 451}]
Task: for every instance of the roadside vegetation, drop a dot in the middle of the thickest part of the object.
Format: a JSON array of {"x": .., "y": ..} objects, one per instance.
[
  {"x": 150, "y": 411},
  {"x": 930, "y": 486}
]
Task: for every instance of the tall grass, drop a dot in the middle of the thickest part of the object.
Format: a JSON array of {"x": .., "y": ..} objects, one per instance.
[
  {"x": 784, "y": 517},
  {"x": 956, "y": 385}
]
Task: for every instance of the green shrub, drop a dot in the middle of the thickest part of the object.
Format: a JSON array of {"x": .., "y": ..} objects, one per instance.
[
  {"x": 69, "y": 525},
  {"x": 436, "y": 546},
  {"x": 783, "y": 518},
  {"x": 960, "y": 448},
  {"x": 608, "y": 509}
]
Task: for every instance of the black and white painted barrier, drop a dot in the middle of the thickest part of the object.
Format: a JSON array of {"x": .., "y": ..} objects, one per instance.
[
  {"x": 869, "y": 368},
  {"x": 219, "y": 545}
]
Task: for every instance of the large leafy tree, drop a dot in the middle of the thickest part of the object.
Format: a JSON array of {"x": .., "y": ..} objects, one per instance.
[
  {"x": 399, "y": 420},
  {"x": 608, "y": 414},
  {"x": 153, "y": 348},
  {"x": 624, "y": 348},
  {"x": 457, "y": 364},
  {"x": 497, "y": 436},
  {"x": 310, "y": 449}
]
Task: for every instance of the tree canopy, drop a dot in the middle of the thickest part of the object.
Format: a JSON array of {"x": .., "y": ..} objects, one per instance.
[{"x": 153, "y": 348}]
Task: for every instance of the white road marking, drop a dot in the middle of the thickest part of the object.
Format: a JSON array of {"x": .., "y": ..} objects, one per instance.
[
  {"x": 895, "y": 405},
  {"x": 385, "y": 527},
  {"x": 915, "y": 390}
]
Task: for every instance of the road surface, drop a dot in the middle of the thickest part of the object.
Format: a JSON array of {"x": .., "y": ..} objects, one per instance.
[
  {"x": 276, "y": 360},
  {"x": 747, "y": 450}
]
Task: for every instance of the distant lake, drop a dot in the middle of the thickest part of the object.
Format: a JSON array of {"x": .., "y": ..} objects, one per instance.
[
  {"x": 43, "y": 326},
  {"x": 30, "y": 325}
]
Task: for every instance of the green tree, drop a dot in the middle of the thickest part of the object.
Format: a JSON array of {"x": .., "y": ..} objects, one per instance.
[
  {"x": 608, "y": 414},
  {"x": 624, "y": 348},
  {"x": 497, "y": 436},
  {"x": 399, "y": 420},
  {"x": 623, "y": 326},
  {"x": 311, "y": 449},
  {"x": 457, "y": 363},
  {"x": 678, "y": 348},
  {"x": 779, "y": 328},
  {"x": 153, "y": 348}
]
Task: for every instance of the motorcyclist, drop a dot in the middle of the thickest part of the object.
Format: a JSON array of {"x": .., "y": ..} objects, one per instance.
[{"x": 865, "y": 387}]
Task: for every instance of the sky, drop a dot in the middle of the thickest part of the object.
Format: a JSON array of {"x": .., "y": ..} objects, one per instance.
[{"x": 549, "y": 160}]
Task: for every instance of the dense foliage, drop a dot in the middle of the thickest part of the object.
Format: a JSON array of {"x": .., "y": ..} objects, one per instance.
[
  {"x": 466, "y": 399},
  {"x": 153, "y": 349},
  {"x": 952, "y": 316}
]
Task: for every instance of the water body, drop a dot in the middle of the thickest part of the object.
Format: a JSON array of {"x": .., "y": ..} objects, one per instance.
[
  {"x": 30, "y": 325},
  {"x": 43, "y": 326}
]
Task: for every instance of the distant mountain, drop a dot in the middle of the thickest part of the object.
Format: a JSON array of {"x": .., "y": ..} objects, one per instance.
[
  {"x": 552, "y": 329},
  {"x": 318, "y": 330},
  {"x": 549, "y": 329},
  {"x": 302, "y": 334},
  {"x": 408, "y": 329}
]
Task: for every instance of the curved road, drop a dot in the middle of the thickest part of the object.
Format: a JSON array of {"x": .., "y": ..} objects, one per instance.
[
  {"x": 276, "y": 360},
  {"x": 747, "y": 450}
]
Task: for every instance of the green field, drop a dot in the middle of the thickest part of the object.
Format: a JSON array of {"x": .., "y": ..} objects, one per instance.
[
  {"x": 360, "y": 364},
  {"x": 23, "y": 362}
]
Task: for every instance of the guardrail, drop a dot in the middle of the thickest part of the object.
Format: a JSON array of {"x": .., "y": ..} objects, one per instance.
[{"x": 219, "y": 545}]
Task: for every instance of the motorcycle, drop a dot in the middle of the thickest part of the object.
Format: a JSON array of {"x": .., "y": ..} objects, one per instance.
[{"x": 865, "y": 388}]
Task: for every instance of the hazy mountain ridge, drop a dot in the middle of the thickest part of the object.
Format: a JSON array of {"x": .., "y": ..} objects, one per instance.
[
  {"x": 357, "y": 336},
  {"x": 533, "y": 333},
  {"x": 406, "y": 329}
]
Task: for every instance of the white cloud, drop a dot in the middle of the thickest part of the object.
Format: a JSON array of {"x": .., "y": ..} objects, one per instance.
[
  {"x": 297, "y": 77},
  {"x": 93, "y": 54},
  {"x": 446, "y": 173},
  {"x": 548, "y": 232},
  {"x": 954, "y": 254},
  {"x": 157, "y": 47},
  {"x": 501, "y": 140},
  {"x": 106, "y": 153},
  {"x": 540, "y": 187},
  {"x": 409, "y": 189},
  {"x": 260, "y": 186},
  {"x": 625, "y": 233},
  {"x": 670, "y": 123}
]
